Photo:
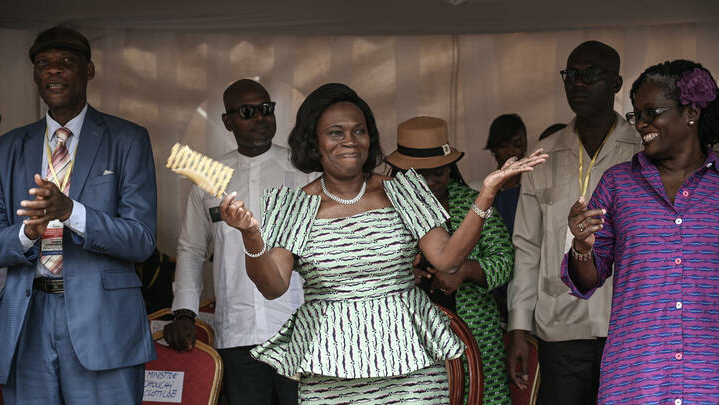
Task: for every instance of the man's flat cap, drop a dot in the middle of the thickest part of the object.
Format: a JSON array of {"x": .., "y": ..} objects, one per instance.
[{"x": 60, "y": 37}]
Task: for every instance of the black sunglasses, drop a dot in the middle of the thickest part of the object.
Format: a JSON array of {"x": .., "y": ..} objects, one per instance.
[
  {"x": 247, "y": 111},
  {"x": 648, "y": 115},
  {"x": 589, "y": 75}
]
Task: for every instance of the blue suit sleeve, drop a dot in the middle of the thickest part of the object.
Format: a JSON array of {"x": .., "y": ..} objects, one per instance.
[{"x": 11, "y": 250}]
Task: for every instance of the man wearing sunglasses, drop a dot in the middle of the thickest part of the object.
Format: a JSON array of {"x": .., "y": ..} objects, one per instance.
[
  {"x": 243, "y": 317},
  {"x": 571, "y": 331}
]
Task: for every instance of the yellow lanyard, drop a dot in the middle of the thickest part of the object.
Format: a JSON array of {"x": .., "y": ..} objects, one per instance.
[
  {"x": 584, "y": 180},
  {"x": 52, "y": 168}
]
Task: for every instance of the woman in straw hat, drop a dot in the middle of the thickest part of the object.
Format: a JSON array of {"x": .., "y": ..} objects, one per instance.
[
  {"x": 422, "y": 146},
  {"x": 365, "y": 333}
]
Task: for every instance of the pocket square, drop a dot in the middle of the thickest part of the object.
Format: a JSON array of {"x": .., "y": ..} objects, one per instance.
[{"x": 106, "y": 172}]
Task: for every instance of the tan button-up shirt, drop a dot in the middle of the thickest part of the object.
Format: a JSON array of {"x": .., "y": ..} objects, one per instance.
[{"x": 538, "y": 301}]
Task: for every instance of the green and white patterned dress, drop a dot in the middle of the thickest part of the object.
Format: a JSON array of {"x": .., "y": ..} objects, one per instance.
[
  {"x": 365, "y": 334},
  {"x": 475, "y": 304}
]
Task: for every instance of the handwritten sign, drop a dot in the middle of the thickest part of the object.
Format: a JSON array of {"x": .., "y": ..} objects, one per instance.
[{"x": 163, "y": 386}]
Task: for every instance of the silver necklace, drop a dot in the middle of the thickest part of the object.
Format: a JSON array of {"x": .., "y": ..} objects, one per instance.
[{"x": 341, "y": 200}]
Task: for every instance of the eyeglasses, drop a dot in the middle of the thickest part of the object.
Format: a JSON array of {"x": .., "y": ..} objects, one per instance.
[
  {"x": 648, "y": 115},
  {"x": 247, "y": 111},
  {"x": 589, "y": 75}
]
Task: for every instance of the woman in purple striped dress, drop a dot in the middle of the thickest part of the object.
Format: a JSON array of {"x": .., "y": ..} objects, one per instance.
[{"x": 656, "y": 220}]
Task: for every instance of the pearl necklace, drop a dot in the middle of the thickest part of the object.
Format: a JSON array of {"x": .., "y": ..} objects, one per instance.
[{"x": 341, "y": 200}]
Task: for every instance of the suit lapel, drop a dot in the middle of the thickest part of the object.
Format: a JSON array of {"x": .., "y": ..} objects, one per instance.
[
  {"x": 90, "y": 138},
  {"x": 32, "y": 153}
]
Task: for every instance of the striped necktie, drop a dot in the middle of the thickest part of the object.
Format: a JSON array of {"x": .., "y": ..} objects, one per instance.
[{"x": 61, "y": 165}]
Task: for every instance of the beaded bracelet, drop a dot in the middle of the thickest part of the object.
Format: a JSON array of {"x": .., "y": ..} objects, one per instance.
[
  {"x": 582, "y": 257},
  {"x": 258, "y": 254}
]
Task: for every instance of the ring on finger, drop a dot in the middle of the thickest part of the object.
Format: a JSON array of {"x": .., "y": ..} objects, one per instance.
[
  {"x": 44, "y": 212},
  {"x": 581, "y": 227}
]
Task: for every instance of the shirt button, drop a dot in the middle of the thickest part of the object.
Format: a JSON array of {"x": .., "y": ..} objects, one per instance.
[
  {"x": 677, "y": 401},
  {"x": 685, "y": 193},
  {"x": 677, "y": 261},
  {"x": 678, "y": 221},
  {"x": 679, "y": 305},
  {"x": 678, "y": 356}
]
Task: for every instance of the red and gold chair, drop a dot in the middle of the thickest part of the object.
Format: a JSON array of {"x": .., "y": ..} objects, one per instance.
[
  {"x": 202, "y": 369},
  {"x": 208, "y": 306},
  {"x": 455, "y": 367},
  {"x": 528, "y": 396}
]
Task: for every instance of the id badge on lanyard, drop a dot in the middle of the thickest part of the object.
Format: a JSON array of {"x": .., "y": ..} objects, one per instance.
[{"x": 52, "y": 239}]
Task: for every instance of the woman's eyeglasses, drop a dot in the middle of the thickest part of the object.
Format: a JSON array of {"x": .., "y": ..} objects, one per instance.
[
  {"x": 648, "y": 115},
  {"x": 247, "y": 111}
]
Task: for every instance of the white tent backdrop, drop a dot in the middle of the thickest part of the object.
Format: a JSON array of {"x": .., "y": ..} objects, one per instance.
[{"x": 172, "y": 82}]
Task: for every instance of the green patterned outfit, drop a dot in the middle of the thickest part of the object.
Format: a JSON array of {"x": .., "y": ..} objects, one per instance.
[
  {"x": 475, "y": 304},
  {"x": 365, "y": 334}
]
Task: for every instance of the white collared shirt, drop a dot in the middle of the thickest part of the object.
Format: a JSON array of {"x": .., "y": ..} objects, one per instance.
[{"x": 243, "y": 317}]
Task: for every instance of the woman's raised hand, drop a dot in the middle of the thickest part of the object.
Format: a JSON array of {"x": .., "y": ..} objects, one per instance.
[
  {"x": 512, "y": 167},
  {"x": 583, "y": 223},
  {"x": 236, "y": 215}
]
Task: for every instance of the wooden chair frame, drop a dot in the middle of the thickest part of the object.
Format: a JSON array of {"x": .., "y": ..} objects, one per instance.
[{"x": 455, "y": 367}]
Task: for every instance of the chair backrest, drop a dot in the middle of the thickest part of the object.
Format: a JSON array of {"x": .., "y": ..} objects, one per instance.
[
  {"x": 202, "y": 368},
  {"x": 208, "y": 306},
  {"x": 455, "y": 367},
  {"x": 205, "y": 333},
  {"x": 528, "y": 396}
]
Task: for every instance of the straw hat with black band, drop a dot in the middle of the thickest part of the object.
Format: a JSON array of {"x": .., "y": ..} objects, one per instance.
[{"x": 422, "y": 143}]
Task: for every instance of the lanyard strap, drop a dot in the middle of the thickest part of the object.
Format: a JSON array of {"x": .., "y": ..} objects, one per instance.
[
  {"x": 584, "y": 180},
  {"x": 52, "y": 168}
]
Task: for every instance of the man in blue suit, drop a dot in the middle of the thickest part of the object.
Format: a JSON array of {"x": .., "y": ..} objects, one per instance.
[{"x": 77, "y": 209}]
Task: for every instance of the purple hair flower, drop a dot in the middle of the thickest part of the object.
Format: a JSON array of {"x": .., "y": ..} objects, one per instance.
[{"x": 696, "y": 88}]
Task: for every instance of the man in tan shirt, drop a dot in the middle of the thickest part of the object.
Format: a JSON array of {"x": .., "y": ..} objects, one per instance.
[{"x": 571, "y": 331}]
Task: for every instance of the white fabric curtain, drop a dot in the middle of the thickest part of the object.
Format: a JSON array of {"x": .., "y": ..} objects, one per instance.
[{"x": 172, "y": 82}]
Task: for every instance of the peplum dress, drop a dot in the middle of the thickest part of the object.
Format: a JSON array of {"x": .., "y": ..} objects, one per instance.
[{"x": 366, "y": 333}]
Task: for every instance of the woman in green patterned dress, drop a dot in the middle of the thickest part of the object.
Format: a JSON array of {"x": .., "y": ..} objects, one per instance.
[
  {"x": 422, "y": 145},
  {"x": 365, "y": 334}
]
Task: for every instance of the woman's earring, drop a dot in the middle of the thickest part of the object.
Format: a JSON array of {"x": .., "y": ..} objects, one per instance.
[{"x": 691, "y": 123}]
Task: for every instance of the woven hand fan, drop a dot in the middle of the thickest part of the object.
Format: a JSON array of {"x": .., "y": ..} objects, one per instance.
[{"x": 210, "y": 175}]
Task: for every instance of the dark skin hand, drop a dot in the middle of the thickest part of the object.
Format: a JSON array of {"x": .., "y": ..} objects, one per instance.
[
  {"x": 449, "y": 283},
  {"x": 181, "y": 334},
  {"x": 517, "y": 358},
  {"x": 49, "y": 204},
  {"x": 584, "y": 274}
]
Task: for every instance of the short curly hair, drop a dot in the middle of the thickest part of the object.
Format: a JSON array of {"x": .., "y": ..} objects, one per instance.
[
  {"x": 303, "y": 138},
  {"x": 667, "y": 74}
]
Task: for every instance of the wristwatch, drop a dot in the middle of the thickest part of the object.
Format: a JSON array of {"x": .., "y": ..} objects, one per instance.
[{"x": 484, "y": 214}]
